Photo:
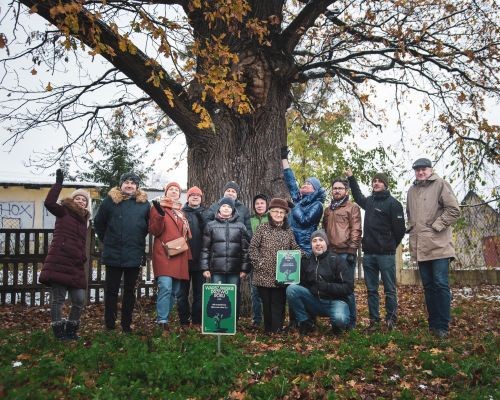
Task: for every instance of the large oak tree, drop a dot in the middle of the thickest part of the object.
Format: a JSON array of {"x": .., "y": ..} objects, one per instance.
[{"x": 224, "y": 71}]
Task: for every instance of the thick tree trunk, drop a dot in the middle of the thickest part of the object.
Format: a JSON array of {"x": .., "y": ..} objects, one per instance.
[{"x": 245, "y": 149}]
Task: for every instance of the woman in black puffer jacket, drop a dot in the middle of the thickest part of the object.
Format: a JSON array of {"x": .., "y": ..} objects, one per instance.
[{"x": 224, "y": 253}]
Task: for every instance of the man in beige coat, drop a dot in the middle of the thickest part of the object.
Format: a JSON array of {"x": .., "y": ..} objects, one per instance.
[{"x": 432, "y": 208}]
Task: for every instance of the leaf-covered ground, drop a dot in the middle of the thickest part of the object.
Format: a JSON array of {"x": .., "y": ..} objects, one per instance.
[{"x": 406, "y": 363}]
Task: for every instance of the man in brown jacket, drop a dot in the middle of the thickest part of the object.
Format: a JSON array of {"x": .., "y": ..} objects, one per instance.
[
  {"x": 432, "y": 208},
  {"x": 342, "y": 224}
]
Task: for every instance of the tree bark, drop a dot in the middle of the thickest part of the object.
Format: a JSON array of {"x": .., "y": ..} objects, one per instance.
[{"x": 245, "y": 149}]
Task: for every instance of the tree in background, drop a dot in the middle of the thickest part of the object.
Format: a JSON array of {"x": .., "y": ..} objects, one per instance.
[
  {"x": 119, "y": 155},
  {"x": 224, "y": 71}
]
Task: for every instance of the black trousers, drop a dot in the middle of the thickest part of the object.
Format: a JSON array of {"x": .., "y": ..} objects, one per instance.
[
  {"x": 273, "y": 307},
  {"x": 113, "y": 280}
]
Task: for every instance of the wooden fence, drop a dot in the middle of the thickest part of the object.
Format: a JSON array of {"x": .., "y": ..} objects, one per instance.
[{"x": 22, "y": 252}]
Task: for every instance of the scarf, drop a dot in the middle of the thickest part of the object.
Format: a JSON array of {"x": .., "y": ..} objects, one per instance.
[
  {"x": 336, "y": 204},
  {"x": 176, "y": 206}
]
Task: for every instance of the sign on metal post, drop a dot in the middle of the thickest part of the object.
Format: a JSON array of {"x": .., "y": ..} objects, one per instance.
[{"x": 219, "y": 309}]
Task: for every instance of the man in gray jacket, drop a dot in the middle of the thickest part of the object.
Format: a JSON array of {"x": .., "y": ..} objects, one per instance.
[{"x": 432, "y": 208}]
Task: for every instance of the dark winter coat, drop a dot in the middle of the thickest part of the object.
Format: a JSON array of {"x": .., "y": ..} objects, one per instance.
[
  {"x": 242, "y": 212},
  {"x": 121, "y": 224},
  {"x": 66, "y": 256},
  {"x": 225, "y": 247},
  {"x": 196, "y": 219},
  {"x": 165, "y": 228},
  {"x": 327, "y": 277},
  {"x": 384, "y": 223},
  {"x": 304, "y": 217},
  {"x": 265, "y": 243}
]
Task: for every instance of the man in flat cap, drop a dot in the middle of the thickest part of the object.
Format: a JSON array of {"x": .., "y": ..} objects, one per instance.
[
  {"x": 432, "y": 208},
  {"x": 121, "y": 224},
  {"x": 384, "y": 228}
]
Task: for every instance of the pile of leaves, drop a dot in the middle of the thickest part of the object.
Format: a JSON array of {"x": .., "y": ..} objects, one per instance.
[{"x": 407, "y": 363}]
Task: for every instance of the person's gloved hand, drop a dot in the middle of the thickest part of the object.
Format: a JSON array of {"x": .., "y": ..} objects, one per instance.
[
  {"x": 284, "y": 152},
  {"x": 350, "y": 258},
  {"x": 156, "y": 204},
  {"x": 59, "y": 176},
  {"x": 279, "y": 284}
]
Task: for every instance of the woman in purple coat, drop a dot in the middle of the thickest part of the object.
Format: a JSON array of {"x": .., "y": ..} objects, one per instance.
[{"x": 63, "y": 269}]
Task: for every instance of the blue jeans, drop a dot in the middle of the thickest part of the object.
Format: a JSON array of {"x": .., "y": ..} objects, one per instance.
[
  {"x": 306, "y": 306},
  {"x": 351, "y": 299},
  {"x": 231, "y": 279},
  {"x": 385, "y": 265},
  {"x": 185, "y": 311},
  {"x": 168, "y": 288},
  {"x": 256, "y": 304},
  {"x": 434, "y": 275}
]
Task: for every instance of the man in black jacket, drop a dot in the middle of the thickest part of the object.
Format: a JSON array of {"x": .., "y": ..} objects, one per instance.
[
  {"x": 194, "y": 212},
  {"x": 384, "y": 228},
  {"x": 325, "y": 284},
  {"x": 121, "y": 224}
]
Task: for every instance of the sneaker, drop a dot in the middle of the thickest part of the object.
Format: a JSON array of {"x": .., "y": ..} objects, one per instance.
[
  {"x": 441, "y": 334},
  {"x": 336, "y": 331},
  {"x": 306, "y": 327}
]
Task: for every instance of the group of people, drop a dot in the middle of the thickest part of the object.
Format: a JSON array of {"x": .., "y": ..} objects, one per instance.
[{"x": 226, "y": 242}]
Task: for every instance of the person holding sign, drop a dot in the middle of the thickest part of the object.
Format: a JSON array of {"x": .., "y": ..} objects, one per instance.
[
  {"x": 224, "y": 251},
  {"x": 267, "y": 240},
  {"x": 325, "y": 284}
]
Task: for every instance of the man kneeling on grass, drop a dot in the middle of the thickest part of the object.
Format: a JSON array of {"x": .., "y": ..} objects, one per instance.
[{"x": 325, "y": 284}]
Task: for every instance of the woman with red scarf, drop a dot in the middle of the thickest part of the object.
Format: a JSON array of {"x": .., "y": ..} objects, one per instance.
[{"x": 166, "y": 223}]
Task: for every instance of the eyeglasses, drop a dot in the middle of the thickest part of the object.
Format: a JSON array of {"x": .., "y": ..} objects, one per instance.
[{"x": 278, "y": 212}]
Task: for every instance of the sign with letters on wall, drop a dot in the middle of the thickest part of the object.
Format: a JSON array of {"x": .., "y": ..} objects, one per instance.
[{"x": 24, "y": 211}]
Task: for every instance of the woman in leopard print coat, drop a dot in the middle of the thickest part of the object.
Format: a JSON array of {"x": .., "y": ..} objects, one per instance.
[{"x": 266, "y": 241}]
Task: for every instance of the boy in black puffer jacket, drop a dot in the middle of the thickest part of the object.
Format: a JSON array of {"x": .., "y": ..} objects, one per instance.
[{"x": 224, "y": 253}]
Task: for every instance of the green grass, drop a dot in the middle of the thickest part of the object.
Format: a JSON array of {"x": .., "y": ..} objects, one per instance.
[{"x": 180, "y": 366}]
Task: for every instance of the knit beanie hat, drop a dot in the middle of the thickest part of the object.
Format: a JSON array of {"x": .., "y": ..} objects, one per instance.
[
  {"x": 226, "y": 200},
  {"x": 194, "y": 190},
  {"x": 172, "y": 184},
  {"x": 383, "y": 177},
  {"x": 81, "y": 192},
  {"x": 320, "y": 233},
  {"x": 316, "y": 184},
  {"x": 130, "y": 176},
  {"x": 262, "y": 197},
  {"x": 232, "y": 185}
]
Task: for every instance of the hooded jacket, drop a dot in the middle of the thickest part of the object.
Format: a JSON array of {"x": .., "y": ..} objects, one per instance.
[
  {"x": 66, "y": 256},
  {"x": 327, "y": 277},
  {"x": 432, "y": 208},
  {"x": 304, "y": 217},
  {"x": 242, "y": 212},
  {"x": 384, "y": 223},
  {"x": 121, "y": 225},
  {"x": 225, "y": 247}
]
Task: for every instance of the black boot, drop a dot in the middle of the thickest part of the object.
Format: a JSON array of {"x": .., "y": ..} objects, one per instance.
[
  {"x": 306, "y": 327},
  {"x": 72, "y": 329},
  {"x": 58, "y": 329}
]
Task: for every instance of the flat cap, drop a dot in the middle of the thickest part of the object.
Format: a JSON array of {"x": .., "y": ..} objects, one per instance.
[{"x": 422, "y": 163}]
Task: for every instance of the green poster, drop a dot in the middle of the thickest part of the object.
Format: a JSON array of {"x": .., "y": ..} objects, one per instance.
[
  {"x": 219, "y": 309},
  {"x": 288, "y": 266}
]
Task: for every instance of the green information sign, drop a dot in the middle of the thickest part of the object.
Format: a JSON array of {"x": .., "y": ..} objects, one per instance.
[
  {"x": 219, "y": 309},
  {"x": 288, "y": 266}
]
